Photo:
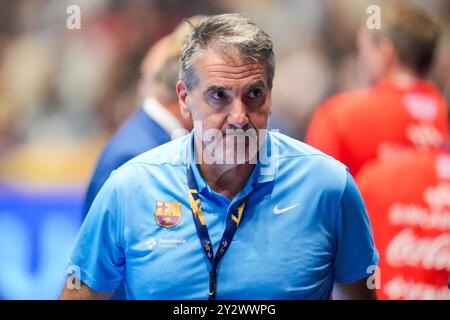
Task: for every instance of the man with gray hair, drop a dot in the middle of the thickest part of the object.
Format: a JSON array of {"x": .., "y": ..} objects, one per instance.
[{"x": 197, "y": 219}]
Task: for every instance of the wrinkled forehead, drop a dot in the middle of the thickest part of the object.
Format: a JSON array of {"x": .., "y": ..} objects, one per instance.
[{"x": 227, "y": 67}]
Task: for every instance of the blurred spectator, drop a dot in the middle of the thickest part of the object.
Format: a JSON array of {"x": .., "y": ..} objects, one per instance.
[
  {"x": 401, "y": 110},
  {"x": 408, "y": 200}
]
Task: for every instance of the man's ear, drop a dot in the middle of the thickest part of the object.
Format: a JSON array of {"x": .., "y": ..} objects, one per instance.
[{"x": 183, "y": 100}]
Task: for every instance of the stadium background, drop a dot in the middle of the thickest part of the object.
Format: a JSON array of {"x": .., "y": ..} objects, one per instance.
[{"x": 64, "y": 92}]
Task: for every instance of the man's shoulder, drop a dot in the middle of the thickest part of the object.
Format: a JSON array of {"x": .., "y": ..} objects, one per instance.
[{"x": 311, "y": 168}]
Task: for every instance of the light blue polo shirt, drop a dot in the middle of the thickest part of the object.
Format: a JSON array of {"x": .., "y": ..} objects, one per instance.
[{"x": 304, "y": 226}]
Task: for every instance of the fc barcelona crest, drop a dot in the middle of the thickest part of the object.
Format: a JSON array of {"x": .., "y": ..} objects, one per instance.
[{"x": 168, "y": 214}]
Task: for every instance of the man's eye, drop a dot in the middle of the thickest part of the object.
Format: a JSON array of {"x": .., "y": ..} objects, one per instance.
[
  {"x": 255, "y": 93},
  {"x": 219, "y": 95}
]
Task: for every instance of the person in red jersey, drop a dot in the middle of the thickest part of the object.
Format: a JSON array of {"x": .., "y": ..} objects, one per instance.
[
  {"x": 401, "y": 110},
  {"x": 408, "y": 199}
]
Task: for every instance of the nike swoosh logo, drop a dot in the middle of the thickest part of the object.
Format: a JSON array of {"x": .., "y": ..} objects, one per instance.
[{"x": 277, "y": 210}]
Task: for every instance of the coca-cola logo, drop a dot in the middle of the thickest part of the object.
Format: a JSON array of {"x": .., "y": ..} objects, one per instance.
[
  {"x": 428, "y": 217},
  {"x": 400, "y": 288},
  {"x": 406, "y": 249}
]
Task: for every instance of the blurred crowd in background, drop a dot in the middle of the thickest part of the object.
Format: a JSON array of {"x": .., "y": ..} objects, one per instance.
[{"x": 64, "y": 92}]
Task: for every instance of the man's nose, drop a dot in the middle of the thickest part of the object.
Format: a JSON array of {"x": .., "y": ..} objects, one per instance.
[{"x": 238, "y": 116}]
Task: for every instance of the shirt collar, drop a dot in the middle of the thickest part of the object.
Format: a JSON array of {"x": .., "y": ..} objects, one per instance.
[
  {"x": 263, "y": 172},
  {"x": 161, "y": 115}
]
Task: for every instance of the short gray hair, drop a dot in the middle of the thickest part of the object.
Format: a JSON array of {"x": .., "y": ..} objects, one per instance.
[{"x": 226, "y": 30}]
